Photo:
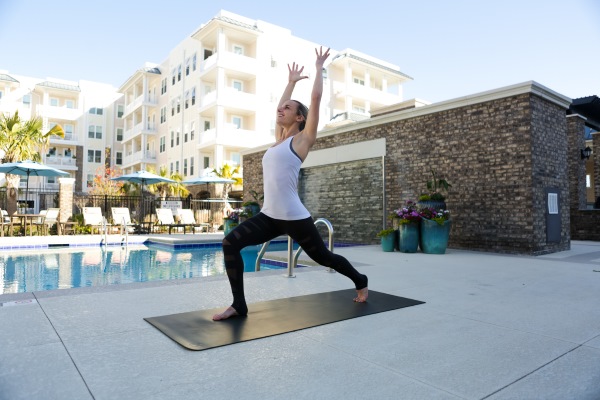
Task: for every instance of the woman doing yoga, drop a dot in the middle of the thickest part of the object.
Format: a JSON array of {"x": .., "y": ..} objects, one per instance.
[{"x": 282, "y": 211}]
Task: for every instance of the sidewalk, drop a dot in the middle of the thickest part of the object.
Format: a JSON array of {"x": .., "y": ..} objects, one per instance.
[{"x": 493, "y": 327}]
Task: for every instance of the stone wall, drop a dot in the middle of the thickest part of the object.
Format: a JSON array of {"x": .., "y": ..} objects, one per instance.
[{"x": 500, "y": 155}]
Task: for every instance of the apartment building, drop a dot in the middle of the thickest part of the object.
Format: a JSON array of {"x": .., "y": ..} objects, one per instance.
[
  {"x": 85, "y": 110},
  {"x": 216, "y": 94}
]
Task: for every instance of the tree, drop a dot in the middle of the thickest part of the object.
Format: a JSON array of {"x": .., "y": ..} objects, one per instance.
[
  {"x": 103, "y": 183},
  {"x": 229, "y": 171},
  {"x": 166, "y": 189},
  {"x": 19, "y": 141}
]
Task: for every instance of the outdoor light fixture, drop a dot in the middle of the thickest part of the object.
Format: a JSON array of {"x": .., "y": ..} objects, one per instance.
[{"x": 586, "y": 153}]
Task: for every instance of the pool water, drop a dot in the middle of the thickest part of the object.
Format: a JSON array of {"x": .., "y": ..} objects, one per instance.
[{"x": 49, "y": 269}]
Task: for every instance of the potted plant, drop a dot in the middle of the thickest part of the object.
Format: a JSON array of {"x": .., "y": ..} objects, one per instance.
[
  {"x": 252, "y": 207},
  {"x": 387, "y": 239},
  {"x": 435, "y": 230},
  {"x": 435, "y": 198},
  {"x": 408, "y": 220},
  {"x": 231, "y": 220}
]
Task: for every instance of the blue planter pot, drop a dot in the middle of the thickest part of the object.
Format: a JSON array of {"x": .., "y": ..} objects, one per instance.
[
  {"x": 408, "y": 241},
  {"x": 228, "y": 226},
  {"x": 434, "y": 237},
  {"x": 387, "y": 242},
  {"x": 249, "y": 256}
]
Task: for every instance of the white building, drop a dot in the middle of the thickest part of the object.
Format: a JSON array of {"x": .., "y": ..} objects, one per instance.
[{"x": 214, "y": 96}]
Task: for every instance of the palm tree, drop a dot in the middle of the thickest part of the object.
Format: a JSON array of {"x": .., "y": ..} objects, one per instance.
[
  {"x": 22, "y": 140},
  {"x": 168, "y": 189},
  {"x": 228, "y": 171}
]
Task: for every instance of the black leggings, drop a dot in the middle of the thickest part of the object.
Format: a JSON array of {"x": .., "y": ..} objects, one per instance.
[{"x": 260, "y": 229}]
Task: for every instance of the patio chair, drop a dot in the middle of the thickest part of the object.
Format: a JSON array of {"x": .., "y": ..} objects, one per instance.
[
  {"x": 186, "y": 216},
  {"x": 92, "y": 217},
  {"x": 122, "y": 218},
  {"x": 47, "y": 220},
  {"x": 5, "y": 223},
  {"x": 166, "y": 219}
]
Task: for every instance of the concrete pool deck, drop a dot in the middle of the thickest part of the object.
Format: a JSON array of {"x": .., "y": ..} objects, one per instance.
[{"x": 493, "y": 326}]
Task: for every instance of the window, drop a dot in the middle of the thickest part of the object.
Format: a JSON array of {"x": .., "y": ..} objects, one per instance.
[
  {"x": 192, "y": 166},
  {"x": 185, "y": 137},
  {"x": 273, "y": 63},
  {"x": 163, "y": 115},
  {"x": 237, "y": 85},
  {"x": 120, "y": 110},
  {"x": 236, "y": 157},
  {"x": 163, "y": 86},
  {"x": 172, "y": 107},
  {"x": 187, "y": 67},
  {"x": 90, "y": 180},
  {"x": 178, "y": 72},
  {"x": 237, "y": 121},
  {"x": 27, "y": 100},
  {"x": 358, "y": 109},
  {"x": 70, "y": 104},
  {"x": 172, "y": 139},
  {"x": 238, "y": 50},
  {"x": 178, "y": 104},
  {"x": 206, "y": 162},
  {"x": 194, "y": 62},
  {"x": 187, "y": 99},
  {"x": 1, "y": 93},
  {"x": 54, "y": 102},
  {"x": 173, "y": 76},
  {"x": 68, "y": 128},
  {"x": 119, "y": 158},
  {"x": 206, "y": 125},
  {"x": 207, "y": 53},
  {"x": 192, "y": 129},
  {"x": 96, "y": 111},
  {"x": 119, "y": 134},
  {"x": 185, "y": 166},
  {"x": 359, "y": 81},
  {"x": 171, "y": 169},
  {"x": 95, "y": 132},
  {"x": 51, "y": 180},
  {"x": 67, "y": 153},
  {"x": 177, "y": 142},
  {"x": 162, "y": 147},
  {"x": 193, "y": 95},
  {"x": 177, "y": 166},
  {"x": 94, "y": 156}
]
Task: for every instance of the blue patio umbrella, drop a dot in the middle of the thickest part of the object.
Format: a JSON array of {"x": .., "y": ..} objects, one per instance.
[
  {"x": 30, "y": 168},
  {"x": 143, "y": 178}
]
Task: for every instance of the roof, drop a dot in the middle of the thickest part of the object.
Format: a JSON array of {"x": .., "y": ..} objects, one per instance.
[
  {"x": 5, "y": 77},
  {"x": 588, "y": 107},
  {"x": 238, "y": 23},
  {"x": 62, "y": 86},
  {"x": 364, "y": 60}
]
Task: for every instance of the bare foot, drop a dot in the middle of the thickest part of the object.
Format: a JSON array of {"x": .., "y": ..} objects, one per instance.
[
  {"x": 230, "y": 312},
  {"x": 361, "y": 295}
]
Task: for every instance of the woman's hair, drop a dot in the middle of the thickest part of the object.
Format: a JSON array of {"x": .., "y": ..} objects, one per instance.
[{"x": 302, "y": 110}]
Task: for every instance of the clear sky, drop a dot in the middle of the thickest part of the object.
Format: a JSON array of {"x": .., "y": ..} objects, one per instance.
[{"x": 451, "y": 48}]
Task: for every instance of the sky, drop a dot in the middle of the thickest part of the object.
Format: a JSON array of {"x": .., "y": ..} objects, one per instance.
[{"x": 451, "y": 48}]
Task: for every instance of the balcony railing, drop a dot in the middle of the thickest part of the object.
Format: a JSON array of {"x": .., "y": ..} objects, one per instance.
[
  {"x": 54, "y": 112},
  {"x": 139, "y": 156},
  {"x": 61, "y": 161}
]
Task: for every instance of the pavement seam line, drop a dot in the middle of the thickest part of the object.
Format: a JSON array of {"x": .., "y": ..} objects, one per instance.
[{"x": 64, "y": 346}]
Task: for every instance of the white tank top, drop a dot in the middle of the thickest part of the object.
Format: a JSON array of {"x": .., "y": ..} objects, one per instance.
[{"x": 281, "y": 168}]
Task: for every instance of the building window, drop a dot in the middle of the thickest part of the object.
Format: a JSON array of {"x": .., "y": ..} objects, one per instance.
[
  {"x": 237, "y": 85},
  {"x": 192, "y": 166},
  {"x": 173, "y": 72},
  {"x": 90, "y": 180},
  {"x": 358, "y": 109},
  {"x": 27, "y": 100},
  {"x": 178, "y": 104},
  {"x": 236, "y": 158},
  {"x": 1, "y": 93},
  {"x": 120, "y": 110},
  {"x": 163, "y": 86},
  {"x": 187, "y": 67},
  {"x": 172, "y": 107},
  {"x": 185, "y": 166},
  {"x": 206, "y": 125},
  {"x": 70, "y": 104},
  {"x": 68, "y": 128},
  {"x": 237, "y": 121},
  {"x": 54, "y": 102},
  {"x": 359, "y": 81},
  {"x": 171, "y": 169},
  {"x": 192, "y": 129},
  {"x": 162, "y": 147},
  {"x": 238, "y": 50},
  {"x": 172, "y": 139},
  {"x": 94, "y": 156},
  {"x": 96, "y": 111},
  {"x": 193, "y": 95},
  {"x": 95, "y": 132},
  {"x": 177, "y": 166},
  {"x": 119, "y": 134},
  {"x": 185, "y": 137},
  {"x": 163, "y": 115},
  {"x": 207, "y": 53},
  {"x": 177, "y": 141},
  {"x": 178, "y": 72},
  {"x": 194, "y": 59},
  {"x": 206, "y": 162},
  {"x": 187, "y": 100},
  {"x": 119, "y": 158}
]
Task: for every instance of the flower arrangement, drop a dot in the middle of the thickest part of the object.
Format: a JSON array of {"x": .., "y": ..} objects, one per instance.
[
  {"x": 234, "y": 214},
  {"x": 407, "y": 214},
  {"x": 436, "y": 187},
  {"x": 439, "y": 216},
  {"x": 385, "y": 232}
]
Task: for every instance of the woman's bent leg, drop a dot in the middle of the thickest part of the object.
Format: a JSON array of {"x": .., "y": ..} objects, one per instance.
[{"x": 253, "y": 231}]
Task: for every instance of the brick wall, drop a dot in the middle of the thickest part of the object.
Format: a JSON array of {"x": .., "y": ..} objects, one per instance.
[{"x": 499, "y": 155}]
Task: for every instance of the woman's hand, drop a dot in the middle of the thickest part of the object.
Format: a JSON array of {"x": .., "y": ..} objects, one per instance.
[
  {"x": 296, "y": 73},
  {"x": 321, "y": 57}
]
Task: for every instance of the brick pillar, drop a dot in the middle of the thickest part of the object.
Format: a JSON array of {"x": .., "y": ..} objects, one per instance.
[
  {"x": 596, "y": 159},
  {"x": 65, "y": 198},
  {"x": 576, "y": 142}
]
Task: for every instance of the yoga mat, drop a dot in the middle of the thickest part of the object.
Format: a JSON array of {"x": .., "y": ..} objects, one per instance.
[{"x": 196, "y": 330}]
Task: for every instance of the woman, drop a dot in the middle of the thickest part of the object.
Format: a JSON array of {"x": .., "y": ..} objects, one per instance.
[{"x": 282, "y": 211}]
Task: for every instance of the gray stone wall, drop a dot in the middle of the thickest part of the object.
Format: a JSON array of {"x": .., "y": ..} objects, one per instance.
[{"x": 499, "y": 155}]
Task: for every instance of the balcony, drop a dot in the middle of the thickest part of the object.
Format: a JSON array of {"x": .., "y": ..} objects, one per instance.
[
  {"x": 232, "y": 137},
  {"x": 137, "y": 103},
  {"x": 62, "y": 113},
  {"x": 244, "y": 65},
  {"x": 138, "y": 130},
  {"x": 61, "y": 162},
  {"x": 139, "y": 157},
  {"x": 230, "y": 98},
  {"x": 376, "y": 97},
  {"x": 69, "y": 139}
]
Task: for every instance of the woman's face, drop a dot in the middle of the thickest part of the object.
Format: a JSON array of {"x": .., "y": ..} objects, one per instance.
[{"x": 287, "y": 114}]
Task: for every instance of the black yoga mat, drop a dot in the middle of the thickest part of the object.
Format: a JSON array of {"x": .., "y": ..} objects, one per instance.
[{"x": 196, "y": 330}]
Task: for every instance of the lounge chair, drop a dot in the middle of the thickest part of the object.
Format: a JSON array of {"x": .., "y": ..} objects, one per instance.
[
  {"x": 165, "y": 218},
  {"x": 47, "y": 221},
  {"x": 186, "y": 216},
  {"x": 122, "y": 218},
  {"x": 92, "y": 216}
]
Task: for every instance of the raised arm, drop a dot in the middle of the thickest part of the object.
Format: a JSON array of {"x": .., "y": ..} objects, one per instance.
[
  {"x": 307, "y": 138},
  {"x": 295, "y": 74}
]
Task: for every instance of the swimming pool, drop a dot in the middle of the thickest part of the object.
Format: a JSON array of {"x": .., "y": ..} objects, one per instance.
[{"x": 64, "y": 268}]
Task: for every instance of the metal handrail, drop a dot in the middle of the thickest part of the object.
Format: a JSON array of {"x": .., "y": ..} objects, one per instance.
[{"x": 293, "y": 259}]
